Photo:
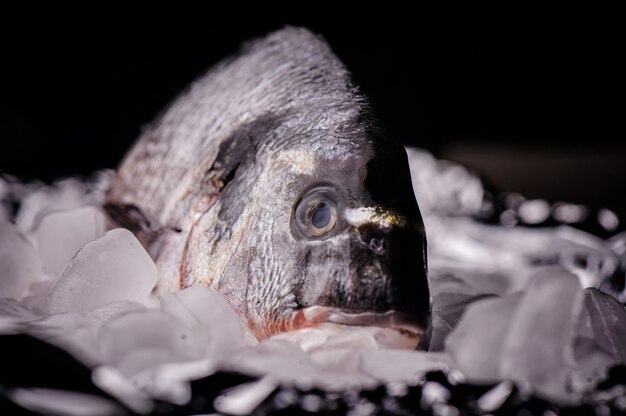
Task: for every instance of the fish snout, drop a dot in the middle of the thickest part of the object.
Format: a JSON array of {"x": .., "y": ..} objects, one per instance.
[
  {"x": 383, "y": 282},
  {"x": 392, "y": 257},
  {"x": 373, "y": 238},
  {"x": 389, "y": 254},
  {"x": 405, "y": 267}
]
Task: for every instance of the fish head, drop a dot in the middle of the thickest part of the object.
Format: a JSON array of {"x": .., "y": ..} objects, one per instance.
[
  {"x": 271, "y": 181},
  {"x": 333, "y": 234}
]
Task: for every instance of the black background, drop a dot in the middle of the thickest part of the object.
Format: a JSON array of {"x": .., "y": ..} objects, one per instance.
[{"x": 533, "y": 100}]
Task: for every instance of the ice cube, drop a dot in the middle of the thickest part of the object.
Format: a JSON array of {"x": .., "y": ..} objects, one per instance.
[
  {"x": 39, "y": 200},
  {"x": 443, "y": 187},
  {"x": 537, "y": 347},
  {"x": 359, "y": 337},
  {"x": 115, "y": 267},
  {"x": 13, "y": 315},
  {"x": 344, "y": 360},
  {"x": 289, "y": 364},
  {"x": 19, "y": 262},
  {"x": 71, "y": 332},
  {"x": 170, "y": 381},
  {"x": 35, "y": 298},
  {"x": 53, "y": 326},
  {"x": 329, "y": 335},
  {"x": 282, "y": 358},
  {"x": 434, "y": 393},
  {"x": 139, "y": 360},
  {"x": 307, "y": 338},
  {"x": 243, "y": 399},
  {"x": 400, "y": 365},
  {"x": 215, "y": 327},
  {"x": 475, "y": 345},
  {"x": 112, "y": 310},
  {"x": 61, "y": 402},
  {"x": 465, "y": 280},
  {"x": 447, "y": 310},
  {"x": 12, "y": 308},
  {"x": 608, "y": 320},
  {"x": 135, "y": 341},
  {"x": 80, "y": 335},
  {"x": 495, "y": 398},
  {"x": 61, "y": 234},
  {"x": 600, "y": 339},
  {"x": 110, "y": 380}
]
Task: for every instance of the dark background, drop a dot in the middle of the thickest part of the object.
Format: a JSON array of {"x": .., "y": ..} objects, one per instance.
[{"x": 535, "y": 101}]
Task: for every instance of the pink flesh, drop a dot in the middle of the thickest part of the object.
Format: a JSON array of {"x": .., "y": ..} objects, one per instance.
[{"x": 407, "y": 332}]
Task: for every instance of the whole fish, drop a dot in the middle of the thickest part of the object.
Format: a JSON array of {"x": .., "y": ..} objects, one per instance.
[{"x": 271, "y": 180}]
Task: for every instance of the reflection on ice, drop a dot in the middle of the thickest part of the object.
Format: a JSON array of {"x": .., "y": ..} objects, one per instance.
[
  {"x": 20, "y": 264},
  {"x": 114, "y": 267},
  {"x": 534, "y": 211},
  {"x": 60, "y": 234},
  {"x": 242, "y": 400},
  {"x": 455, "y": 206},
  {"x": 608, "y": 219},
  {"x": 64, "y": 403},
  {"x": 509, "y": 303}
]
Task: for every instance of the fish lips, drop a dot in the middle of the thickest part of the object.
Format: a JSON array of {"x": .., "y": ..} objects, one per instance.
[
  {"x": 409, "y": 328},
  {"x": 374, "y": 278}
]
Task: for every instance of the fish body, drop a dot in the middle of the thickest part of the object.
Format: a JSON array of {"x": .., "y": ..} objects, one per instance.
[{"x": 271, "y": 180}]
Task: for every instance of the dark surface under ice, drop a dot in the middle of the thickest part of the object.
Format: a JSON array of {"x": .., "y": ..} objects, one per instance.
[
  {"x": 31, "y": 366},
  {"x": 28, "y": 363}
]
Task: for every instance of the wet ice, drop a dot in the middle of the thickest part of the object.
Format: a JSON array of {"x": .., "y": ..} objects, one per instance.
[
  {"x": 60, "y": 234},
  {"x": 501, "y": 309},
  {"x": 20, "y": 264},
  {"x": 111, "y": 268}
]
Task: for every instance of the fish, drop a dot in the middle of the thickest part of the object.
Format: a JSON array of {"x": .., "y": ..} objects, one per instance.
[{"x": 271, "y": 180}]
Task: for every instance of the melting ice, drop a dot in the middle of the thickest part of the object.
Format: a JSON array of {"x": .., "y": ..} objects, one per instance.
[{"x": 509, "y": 303}]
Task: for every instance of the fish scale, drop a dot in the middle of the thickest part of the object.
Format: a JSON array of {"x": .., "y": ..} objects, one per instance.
[{"x": 225, "y": 182}]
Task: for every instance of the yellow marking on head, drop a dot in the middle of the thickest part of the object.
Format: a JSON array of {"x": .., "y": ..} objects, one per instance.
[{"x": 383, "y": 217}]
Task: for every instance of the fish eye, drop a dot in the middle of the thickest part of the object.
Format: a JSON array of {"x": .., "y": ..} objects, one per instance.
[
  {"x": 317, "y": 213},
  {"x": 321, "y": 216}
]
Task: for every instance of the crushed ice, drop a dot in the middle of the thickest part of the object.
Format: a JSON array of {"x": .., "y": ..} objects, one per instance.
[{"x": 508, "y": 303}]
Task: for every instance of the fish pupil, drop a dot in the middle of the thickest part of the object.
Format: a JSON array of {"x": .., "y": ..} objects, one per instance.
[
  {"x": 316, "y": 213},
  {"x": 321, "y": 215}
]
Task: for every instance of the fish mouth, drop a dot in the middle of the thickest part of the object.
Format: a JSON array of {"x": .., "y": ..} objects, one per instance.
[{"x": 393, "y": 328}]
